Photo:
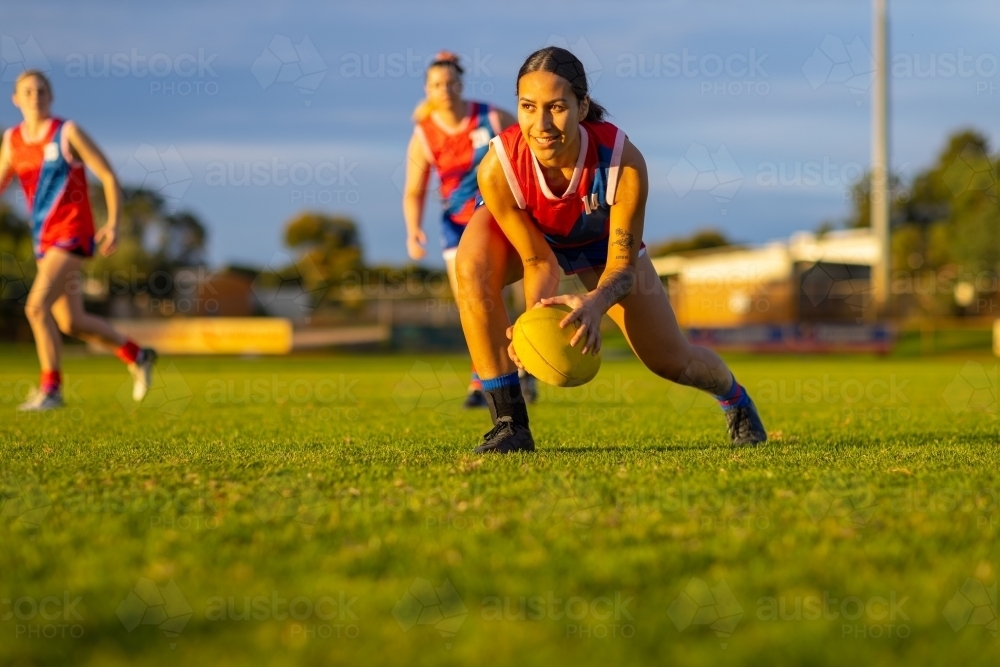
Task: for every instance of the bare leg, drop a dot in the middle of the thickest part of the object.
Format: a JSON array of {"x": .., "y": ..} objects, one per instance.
[
  {"x": 485, "y": 263},
  {"x": 56, "y": 271},
  {"x": 647, "y": 319},
  {"x": 74, "y": 320},
  {"x": 56, "y": 304}
]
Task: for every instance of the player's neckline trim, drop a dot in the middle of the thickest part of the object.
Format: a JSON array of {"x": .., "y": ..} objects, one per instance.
[
  {"x": 461, "y": 127},
  {"x": 574, "y": 182},
  {"x": 44, "y": 136}
]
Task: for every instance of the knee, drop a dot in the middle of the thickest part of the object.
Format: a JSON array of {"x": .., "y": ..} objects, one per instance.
[
  {"x": 472, "y": 273},
  {"x": 35, "y": 311}
]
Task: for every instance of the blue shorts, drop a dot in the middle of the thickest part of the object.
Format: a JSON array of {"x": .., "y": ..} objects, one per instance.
[
  {"x": 451, "y": 234},
  {"x": 583, "y": 257}
]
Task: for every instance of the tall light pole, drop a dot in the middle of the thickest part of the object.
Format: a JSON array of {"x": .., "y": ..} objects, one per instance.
[{"x": 880, "y": 194}]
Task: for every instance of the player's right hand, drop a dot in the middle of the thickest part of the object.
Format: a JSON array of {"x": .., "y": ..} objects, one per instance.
[
  {"x": 510, "y": 349},
  {"x": 416, "y": 245}
]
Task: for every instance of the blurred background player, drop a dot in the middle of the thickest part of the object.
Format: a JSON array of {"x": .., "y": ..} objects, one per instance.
[
  {"x": 451, "y": 135},
  {"x": 48, "y": 156},
  {"x": 567, "y": 190}
]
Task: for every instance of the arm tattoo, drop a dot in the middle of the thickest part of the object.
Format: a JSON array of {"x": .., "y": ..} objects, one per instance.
[
  {"x": 616, "y": 284},
  {"x": 531, "y": 260},
  {"x": 624, "y": 240}
]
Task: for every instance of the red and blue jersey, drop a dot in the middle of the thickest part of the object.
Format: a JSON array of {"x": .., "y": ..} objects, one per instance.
[
  {"x": 55, "y": 187},
  {"x": 581, "y": 214},
  {"x": 576, "y": 223},
  {"x": 456, "y": 154}
]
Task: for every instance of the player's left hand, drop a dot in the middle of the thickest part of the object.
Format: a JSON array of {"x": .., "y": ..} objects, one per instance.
[
  {"x": 587, "y": 315},
  {"x": 107, "y": 239},
  {"x": 510, "y": 349}
]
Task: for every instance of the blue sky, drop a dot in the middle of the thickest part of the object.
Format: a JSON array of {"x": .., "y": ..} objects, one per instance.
[{"x": 753, "y": 116}]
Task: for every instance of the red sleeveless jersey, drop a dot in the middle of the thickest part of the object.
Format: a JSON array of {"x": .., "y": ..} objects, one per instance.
[
  {"x": 579, "y": 216},
  {"x": 55, "y": 187},
  {"x": 456, "y": 154}
]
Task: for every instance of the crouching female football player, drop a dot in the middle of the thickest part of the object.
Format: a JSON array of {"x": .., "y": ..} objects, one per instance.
[
  {"x": 48, "y": 156},
  {"x": 564, "y": 188}
]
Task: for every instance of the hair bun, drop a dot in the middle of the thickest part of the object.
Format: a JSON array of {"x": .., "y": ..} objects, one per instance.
[{"x": 446, "y": 57}]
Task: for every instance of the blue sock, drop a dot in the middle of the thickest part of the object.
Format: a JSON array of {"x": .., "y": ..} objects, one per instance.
[
  {"x": 508, "y": 380},
  {"x": 736, "y": 397},
  {"x": 503, "y": 395}
]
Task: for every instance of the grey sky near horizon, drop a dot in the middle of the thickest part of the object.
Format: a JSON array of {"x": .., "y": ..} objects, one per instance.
[{"x": 753, "y": 117}]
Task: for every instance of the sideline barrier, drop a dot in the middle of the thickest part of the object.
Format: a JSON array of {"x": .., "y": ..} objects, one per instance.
[
  {"x": 211, "y": 335},
  {"x": 799, "y": 338}
]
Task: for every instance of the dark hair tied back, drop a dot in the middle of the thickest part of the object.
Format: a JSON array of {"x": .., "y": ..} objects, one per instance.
[
  {"x": 561, "y": 62},
  {"x": 447, "y": 59}
]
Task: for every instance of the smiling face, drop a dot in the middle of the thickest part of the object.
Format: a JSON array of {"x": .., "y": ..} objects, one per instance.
[
  {"x": 549, "y": 115},
  {"x": 33, "y": 97},
  {"x": 443, "y": 88}
]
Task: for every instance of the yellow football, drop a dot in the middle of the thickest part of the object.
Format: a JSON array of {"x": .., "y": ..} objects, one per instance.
[{"x": 545, "y": 352}]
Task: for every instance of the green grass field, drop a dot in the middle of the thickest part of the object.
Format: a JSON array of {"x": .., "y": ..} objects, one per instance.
[{"x": 333, "y": 506}]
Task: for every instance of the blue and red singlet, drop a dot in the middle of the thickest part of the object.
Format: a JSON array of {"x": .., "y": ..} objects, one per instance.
[
  {"x": 456, "y": 154},
  {"x": 55, "y": 186},
  {"x": 576, "y": 223}
]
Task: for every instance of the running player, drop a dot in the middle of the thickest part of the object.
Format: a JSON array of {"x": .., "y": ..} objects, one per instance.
[
  {"x": 565, "y": 189},
  {"x": 451, "y": 135},
  {"x": 48, "y": 156}
]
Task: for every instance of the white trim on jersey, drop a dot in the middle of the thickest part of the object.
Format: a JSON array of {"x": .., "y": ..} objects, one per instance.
[
  {"x": 508, "y": 171},
  {"x": 64, "y": 141},
  {"x": 448, "y": 254},
  {"x": 616, "y": 161},
  {"x": 463, "y": 126},
  {"x": 574, "y": 182}
]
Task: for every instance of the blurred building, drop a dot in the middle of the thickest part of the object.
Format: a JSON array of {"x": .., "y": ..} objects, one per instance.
[{"x": 806, "y": 279}]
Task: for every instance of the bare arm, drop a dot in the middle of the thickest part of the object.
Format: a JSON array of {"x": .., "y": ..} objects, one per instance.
[
  {"x": 94, "y": 159},
  {"x": 541, "y": 271},
  {"x": 618, "y": 278},
  {"x": 418, "y": 171},
  {"x": 627, "y": 220},
  {"x": 6, "y": 172}
]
